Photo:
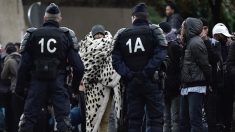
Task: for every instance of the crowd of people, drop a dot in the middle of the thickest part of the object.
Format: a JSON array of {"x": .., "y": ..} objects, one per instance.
[{"x": 166, "y": 77}]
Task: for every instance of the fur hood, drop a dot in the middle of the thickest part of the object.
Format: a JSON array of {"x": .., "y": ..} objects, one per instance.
[
  {"x": 96, "y": 56},
  {"x": 96, "y": 46}
]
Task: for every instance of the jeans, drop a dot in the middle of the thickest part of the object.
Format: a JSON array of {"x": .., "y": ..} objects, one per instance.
[
  {"x": 75, "y": 116},
  {"x": 144, "y": 97},
  {"x": 225, "y": 103},
  {"x": 2, "y": 121},
  {"x": 171, "y": 115},
  {"x": 191, "y": 112},
  {"x": 112, "y": 127},
  {"x": 210, "y": 109}
]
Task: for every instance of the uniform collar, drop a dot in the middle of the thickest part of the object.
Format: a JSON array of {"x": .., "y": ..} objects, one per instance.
[
  {"x": 140, "y": 22},
  {"x": 51, "y": 23}
]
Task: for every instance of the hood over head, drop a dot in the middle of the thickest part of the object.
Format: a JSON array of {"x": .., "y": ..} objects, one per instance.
[{"x": 193, "y": 27}]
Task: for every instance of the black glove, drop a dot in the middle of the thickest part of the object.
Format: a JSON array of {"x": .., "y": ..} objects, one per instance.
[
  {"x": 139, "y": 75},
  {"x": 137, "y": 81}
]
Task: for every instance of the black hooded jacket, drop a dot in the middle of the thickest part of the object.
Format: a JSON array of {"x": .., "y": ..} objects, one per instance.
[
  {"x": 196, "y": 70},
  {"x": 173, "y": 82}
]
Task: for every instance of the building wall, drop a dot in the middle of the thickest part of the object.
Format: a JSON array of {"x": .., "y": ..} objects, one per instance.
[
  {"x": 81, "y": 19},
  {"x": 11, "y": 21}
]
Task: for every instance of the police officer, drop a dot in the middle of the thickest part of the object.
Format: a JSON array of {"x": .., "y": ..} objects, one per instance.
[
  {"x": 138, "y": 53},
  {"x": 46, "y": 52}
]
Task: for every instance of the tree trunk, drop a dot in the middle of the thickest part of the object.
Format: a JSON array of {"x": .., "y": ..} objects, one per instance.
[{"x": 216, "y": 10}]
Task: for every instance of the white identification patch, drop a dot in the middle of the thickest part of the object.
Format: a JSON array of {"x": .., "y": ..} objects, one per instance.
[{"x": 138, "y": 45}]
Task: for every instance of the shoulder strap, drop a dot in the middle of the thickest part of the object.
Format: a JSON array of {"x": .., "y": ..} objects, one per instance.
[
  {"x": 158, "y": 34},
  {"x": 72, "y": 34},
  {"x": 25, "y": 40}
]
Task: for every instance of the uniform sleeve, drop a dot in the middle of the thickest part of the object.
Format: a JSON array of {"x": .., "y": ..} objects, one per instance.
[
  {"x": 118, "y": 62},
  {"x": 78, "y": 68},
  {"x": 26, "y": 63},
  {"x": 159, "y": 55},
  {"x": 23, "y": 74}
]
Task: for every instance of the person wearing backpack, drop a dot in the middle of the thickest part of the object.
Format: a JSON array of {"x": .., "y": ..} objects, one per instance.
[{"x": 9, "y": 71}]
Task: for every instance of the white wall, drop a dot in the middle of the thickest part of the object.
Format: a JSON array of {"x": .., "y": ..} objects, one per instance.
[{"x": 12, "y": 22}]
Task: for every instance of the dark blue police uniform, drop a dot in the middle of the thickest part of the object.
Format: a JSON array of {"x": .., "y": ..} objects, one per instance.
[
  {"x": 138, "y": 53},
  {"x": 46, "y": 52}
]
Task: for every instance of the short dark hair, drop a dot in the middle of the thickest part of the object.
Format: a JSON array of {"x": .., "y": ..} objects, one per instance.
[
  {"x": 172, "y": 5},
  {"x": 204, "y": 21},
  {"x": 141, "y": 16},
  {"x": 17, "y": 44},
  {"x": 10, "y": 48}
]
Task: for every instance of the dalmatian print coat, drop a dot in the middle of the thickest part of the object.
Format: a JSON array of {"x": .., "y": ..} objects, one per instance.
[{"x": 99, "y": 79}]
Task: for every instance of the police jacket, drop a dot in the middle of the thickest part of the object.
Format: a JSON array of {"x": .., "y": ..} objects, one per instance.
[
  {"x": 138, "y": 49},
  {"x": 53, "y": 43},
  {"x": 196, "y": 70}
]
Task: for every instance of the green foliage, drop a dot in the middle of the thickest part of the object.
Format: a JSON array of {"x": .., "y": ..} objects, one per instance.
[
  {"x": 229, "y": 14},
  {"x": 154, "y": 16},
  {"x": 193, "y": 8}
]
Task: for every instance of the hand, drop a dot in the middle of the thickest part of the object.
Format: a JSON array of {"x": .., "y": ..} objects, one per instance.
[
  {"x": 204, "y": 35},
  {"x": 75, "y": 96},
  {"x": 82, "y": 86},
  {"x": 210, "y": 88}
]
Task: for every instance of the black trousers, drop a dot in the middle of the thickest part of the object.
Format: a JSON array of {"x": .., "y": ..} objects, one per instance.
[
  {"x": 210, "y": 109},
  {"x": 225, "y": 103}
]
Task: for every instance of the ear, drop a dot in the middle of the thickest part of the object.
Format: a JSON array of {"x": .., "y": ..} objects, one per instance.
[
  {"x": 133, "y": 18},
  {"x": 44, "y": 18},
  {"x": 60, "y": 18}
]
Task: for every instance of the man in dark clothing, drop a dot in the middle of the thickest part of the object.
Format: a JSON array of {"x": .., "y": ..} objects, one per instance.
[
  {"x": 46, "y": 52},
  {"x": 173, "y": 17},
  {"x": 137, "y": 54},
  {"x": 172, "y": 82},
  {"x": 214, "y": 56},
  {"x": 231, "y": 74},
  {"x": 224, "y": 83},
  {"x": 196, "y": 76},
  {"x": 231, "y": 64}
]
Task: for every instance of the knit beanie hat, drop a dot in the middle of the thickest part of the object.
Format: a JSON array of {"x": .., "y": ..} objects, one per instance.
[
  {"x": 140, "y": 8},
  {"x": 52, "y": 10},
  {"x": 97, "y": 29},
  {"x": 165, "y": 26}
]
